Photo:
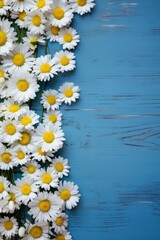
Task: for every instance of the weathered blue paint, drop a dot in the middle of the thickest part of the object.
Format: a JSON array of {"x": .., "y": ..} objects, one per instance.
[{"x": 113, "y": 132}]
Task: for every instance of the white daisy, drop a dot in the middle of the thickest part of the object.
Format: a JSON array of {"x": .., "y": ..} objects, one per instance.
[
  {"x": 53, "y": 117},
  {"x": 50, "y": 136},
  {"x": 22, "y": 86},
  {"x": 60, "y": 14},
  {"x": 51, "y": 100},
  {"x": 45, "y": 68},
  {"x": 6, "y": 162},
  {"x": 37, "y": 231},
  {"x": 82, "y": 6},
  {"x": 60, "y": 222},
  {"x": 45, "y": 206},
  {"x": 47, "y": 178},
  {"x": 69, "y": 93},
  {"x": 25, "y": 190},
  {"x": 61, "y": 166},
  {"x": 69, "y": 38},
  {"x": 26, "y": 140},
  {"x": 42, "y": 5},
  {"x": 4, "y": 187},
  {"x": 35, "y": 22},
  {"x": 3, "y": 76},
  {"x": 8, "y": 227},
  {"x": 63, "y": 236},
  {"x": 20, "y": 155},
  {"x": 65, "y": 60},
  {"x": 4, "y": 7},
  {"x": 20, "y": 58},
  {"x": 30, "y": 170},
  {"x": 20, "y": 5},
  {"x": 29, "y": 119},
  {"x": 39, "y": 155},
  {"x": 52, "y": 33},
  {"x": 33, "y": 40},
  {"x": 7, "y": 37},
  {"x": 69, "y": 193},
  {"x": 5, "y": 205},
  {"x": 19, "y": 18}
]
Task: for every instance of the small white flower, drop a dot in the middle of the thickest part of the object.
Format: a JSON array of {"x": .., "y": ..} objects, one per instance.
[
  {"x": 19, "y": 5},
  {"x": 69, "y": 93},
  {"x": 53, "y": 117},
  {"x": 82, "y": 6},
  {"x": 51, "y": 100},
  {"x": 20, "y": 156},
  {"x": 30, "y": 170},
  {"x": 65, "y": 60},
  {"x": 47, "y": 178},
  {"x": 39, "y": 155},
  {"x": 35, "y": 22},
  {"x": 42, "y": 5},
  {"x": 19, "y": 18},
  {"x": 28, "y": 119},
  {"x": 33, "y": 40},
  {"x": 8, "y": 227},
  {"x": 4, "y": 7},
  {"x": 4, "y": 187},
  {"x": 61, "y": 166},
  {"x": 60, "y": 222},
  {"x": 25, "y": 140},
  {"x": 6, "y": 162},
  {"x": 69, "y": 38},
  {"x": 37, "y": 231},
  {"x": 64, "y": 235},
  {"x": 52, "y": 33}
]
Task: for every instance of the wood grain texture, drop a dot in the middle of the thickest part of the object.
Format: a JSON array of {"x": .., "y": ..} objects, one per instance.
[{"x": 113, "y": 132}]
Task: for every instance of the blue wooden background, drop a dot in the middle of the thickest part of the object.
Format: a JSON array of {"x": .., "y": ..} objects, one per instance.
[{"x": 113, "y": 132}]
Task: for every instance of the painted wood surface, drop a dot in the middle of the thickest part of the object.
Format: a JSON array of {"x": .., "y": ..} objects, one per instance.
[{"x": 113, "y": 132}]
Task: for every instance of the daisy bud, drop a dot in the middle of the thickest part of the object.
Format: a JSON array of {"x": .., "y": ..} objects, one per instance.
[
  {"x": 21, "y": 231},
  {"x": 11, "y": 206}
]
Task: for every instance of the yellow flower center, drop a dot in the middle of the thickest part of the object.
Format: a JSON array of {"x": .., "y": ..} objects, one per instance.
[
  {"x": 18, "y": 59},
  {"x": 10, "y": 129},
  {"x": 46, "y": 178},
  {"x": 36, "y": 20},
  {"x": 60, "y": 237},
  {"x": 65, "y": 194},
  {"x": 22, "y": 85},
  {"x": 1, "y": 187},
  {"x": 22, "y": 15},
  {"x": 12, "y": 197},
  {"x": 64, "y": 61},
  {"x": 48, "y": 137},
  {"x": 8, "y": 225},
  {"x": 55, "y": 30},
  {"x": 26, "y": 120},
  {"x": 59, "y": 167},
  {"x": 1, "y": 3},
  {"x": 36, "y": 232},
  {"x": 45, "y": 68},
  {"x": 52, "y": 118},
  {"x": 44, "y": 205},
  {"x": 41, "y": 152},
  {"x": 14, "y": 108},
  {"x": 3, "y": 38},
  {"x": 59, "y": 221},
  {"x": 6, "y": 157},
  {"x": 26, "y": 189},
  {"x": 26, "y": 138},
  {"x": 1, "y": 73},
  {"x": 81, "y": 2},
  {"x": 41, "y": 3},
  {"x": 58, "y": 13},
  {"x": 51, "y": 100},
  {"x": 20, "y": 155},
  {"x": 31, "y": 169},
  {"x": 68, "y": 37},
  {"x": 34, "y": 40},
  {"x": 68, "y": 92}
]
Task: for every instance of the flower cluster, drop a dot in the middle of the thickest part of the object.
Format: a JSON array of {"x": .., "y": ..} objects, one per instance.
[{"x": 32, "y": 205}]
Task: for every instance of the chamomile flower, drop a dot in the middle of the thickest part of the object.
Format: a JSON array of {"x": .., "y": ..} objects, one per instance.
[
  {"x": 20, "y": 18},
  {"x": 30, "y": 170},
  {"x": 60, "y": 14},
  {"x": 10, "y": 131},
  {"x": 45, "y": 206},
  {"x": 47, "y": 178},
  {"x": 65, "y": 60},
  {"x": 60, "y": 222},
  {"x": 9, "y": 200},
  {"x": 37, "y": 231},
  {"x": 82, "y": 6},
  {"x": 45, "y": 68},
  {"x": 69, "y": 38},
  {"x": 39, "y": 155},
  {"x": 8, "y": 227},
  {"x": 42, "y": 5},
  {"x": 22, "y": 86},
  {"x": 50, "y": 136},
  {"x": 33, "y": 40},
  {"x": 52, "y": 33},
  {"x": 28, "y": 119},
  {"x": 69, "y": 93},
  {"x": 6, "y": 162},
  {"x": 3, "y": 75},
  {"x": 64, "y": 235},
  {"x": 50, "y": 100},
  {"x": 4, "y": 187},
  {"x": 20, "y": 5},
  {"x": 35, "y": 22},
  {"x": 7, "y": 37},
  {"x": 21, "y": 58},
  {"x": 69, "y": 193},
  {"x": 25, "y": 140},
  {"x": 25, "y": 190},
  {"x": 20, "y": 155},
  {"x": 4, "y": 7},
  {"x": 53, "y": 117},
  {"x": 61, "y": 166}
]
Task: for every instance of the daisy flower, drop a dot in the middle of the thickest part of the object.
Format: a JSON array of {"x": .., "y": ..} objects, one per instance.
[
  {"x": 20, "y": 5},
  {"x": 25, "y": 190},
  {"x": 22, "y": 86},
  {"x": 35, "y": 22},
  {"x": 69, "y": 38},
  {"x": 65, "y": 60},
  {"x": 33, "y": 40},
  {"x": 20, "y": 156},
  {"x": 19, "y": 18},
  {"x": 37, "y": 231},
  {"x": 53, "y": 117},
  {"x": 26, "y": 140},
  {"x": 82, "y": 6},
  {"x": 64, "y": 235},
  {"x": 39, "y": 155},
  {"x": 69, "y": 194},
  {"x": 29, "y": 119},
  {"x": 30, "y": 170},
  {"x": 61, "y": 166},
  {"x": 21, "y": 58},
  {"x": 50, "y": 100},
  {"x": 52, "y": 33},
  {"x": 7, "y": 37},
  {"x": 50, "y": 136},
  {"x": 8, "y": 200},
  {"x": 69, "y": 93},
  {"x": 6, "y": 162},
  {"x": 45, "y": 206},
  {"x": 4, "y": 187},
  {"x": 3, "y": 75},
  {"x": 60, "y": 222},
  {"x": 42, "y": 5},
  {"x": 45, "y": 68},
  {"x": 4, "y": 7},
  {"x": 8, "y": 227},
  {"x": 10, "y": 131},
  {"x": 47, "y": 178}
]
